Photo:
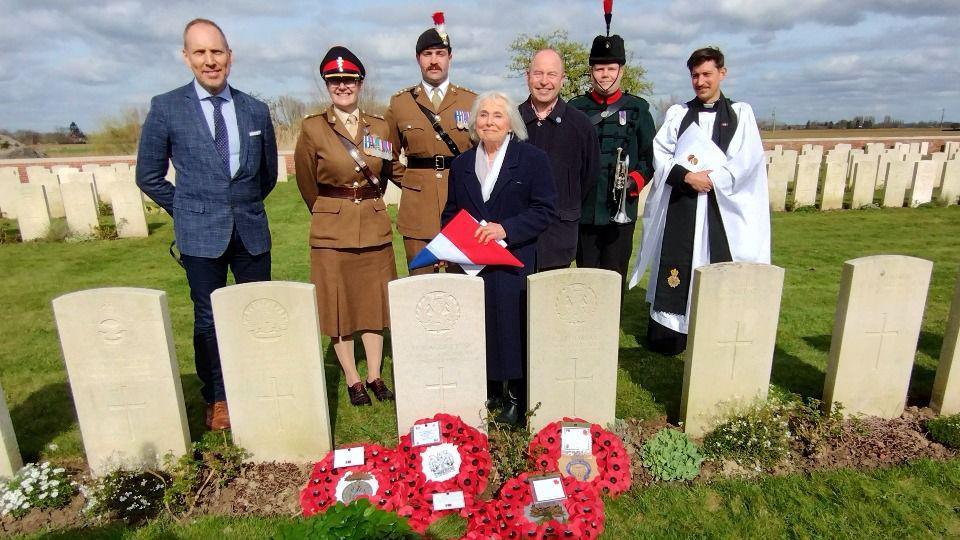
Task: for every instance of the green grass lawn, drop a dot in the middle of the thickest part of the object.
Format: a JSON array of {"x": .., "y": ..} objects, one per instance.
[{"x": 916, "y": 500}]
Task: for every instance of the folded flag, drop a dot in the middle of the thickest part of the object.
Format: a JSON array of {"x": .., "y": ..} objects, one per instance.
[{"x": 456, "y": 244}]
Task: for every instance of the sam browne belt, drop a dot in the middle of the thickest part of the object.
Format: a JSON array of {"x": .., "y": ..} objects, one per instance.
[
  {"x": 356, "y": 193},
  {"x": 438, "y": 163}
]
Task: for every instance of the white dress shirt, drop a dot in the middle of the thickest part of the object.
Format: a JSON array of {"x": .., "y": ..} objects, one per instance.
[{"x": 229, "y": 118}]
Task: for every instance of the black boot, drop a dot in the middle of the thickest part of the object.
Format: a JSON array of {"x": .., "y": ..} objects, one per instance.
[
  {"x": 494, "y": 395},
  {"x": 512, "y": 410}
]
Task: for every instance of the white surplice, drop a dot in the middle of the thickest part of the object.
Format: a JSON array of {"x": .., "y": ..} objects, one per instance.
[{"x": 740, "y": 186}]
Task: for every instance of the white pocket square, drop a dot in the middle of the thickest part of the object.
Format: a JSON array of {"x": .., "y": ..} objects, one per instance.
[{"x": 255, "y": 133}]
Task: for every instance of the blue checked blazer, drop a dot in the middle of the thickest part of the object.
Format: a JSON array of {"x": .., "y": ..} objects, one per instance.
[{"x": 206, "y": 204}]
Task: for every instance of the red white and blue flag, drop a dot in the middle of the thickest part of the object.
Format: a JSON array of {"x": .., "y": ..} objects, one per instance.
[{"x": 456, "y": 244}]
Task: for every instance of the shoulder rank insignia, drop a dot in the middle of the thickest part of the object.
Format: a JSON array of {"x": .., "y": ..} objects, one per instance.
[{"x": 404, "y": 90}]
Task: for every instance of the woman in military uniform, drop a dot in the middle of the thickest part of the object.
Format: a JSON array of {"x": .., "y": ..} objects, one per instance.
[{"x": 343, "y": 163}]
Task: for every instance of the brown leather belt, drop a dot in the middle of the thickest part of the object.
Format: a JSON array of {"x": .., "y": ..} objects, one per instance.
[
  {"x": 356, "y": 194},
  {"x": 437, "y": 163}
]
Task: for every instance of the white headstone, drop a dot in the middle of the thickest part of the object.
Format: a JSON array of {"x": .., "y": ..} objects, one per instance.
[
  {"x": 67, "y": 169},
  {"x": 66, "y": 176},
  {"x": 899, "y": 175},
  {"x": 805, "y": 188},
  {"x": 875, "y": 332},
  {"x": 950, "y": 188},
  {"x": 35, "y": 171},
  {"x": 271, "y": 355},
  {"x": 778, "y": 175},
  {"x": 171, "y": 173},
  {"x": 392, "y": 195},
  {"x": 104, "y": 178},
  {"x": 33, "y": 212},
  {"x": 790, "y": 156},
  {"x": 573, "y": 333},
  {"x": 89, "y": 167},
  {"x": 10, "y": 460},
  {"x": 864, "y": 184},
  {"x": 54, "y": 197},
  {"x": 122, "y": 366},
  {"x": 924, "y": 148},
  {"x": 281, "y": 168},
  {"x": 9, "y": 182},
  {"x": 121, "y": 168},
  {"x": 80, "y": 204},
  {"x": 439, "y": 348},
  {"x": 833, "y": 186},
  {"x": 946, "y": 385},
  {"x": 921, "y": 191},
  {"x": 733, "y": 331},
  {"x": 914, "y": 148},
  {"x": 128, "y": 213}
]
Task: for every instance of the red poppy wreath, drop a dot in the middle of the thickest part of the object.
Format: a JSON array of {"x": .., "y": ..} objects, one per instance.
[
  {"x": 612, "y": 474},
  {"x": 374, "y": 479},
  {"x": 579, "y": 515},
  {"x": 455, "y": 458}
]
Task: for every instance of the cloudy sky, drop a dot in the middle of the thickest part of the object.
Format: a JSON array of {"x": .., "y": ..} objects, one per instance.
[{"x": 63, "y": 60}]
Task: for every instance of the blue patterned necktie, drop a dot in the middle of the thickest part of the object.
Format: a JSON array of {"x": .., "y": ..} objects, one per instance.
[{"x": 220, "y": 131}]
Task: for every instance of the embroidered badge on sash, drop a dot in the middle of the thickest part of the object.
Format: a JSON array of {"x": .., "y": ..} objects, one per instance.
[
  {"x": 693, "y": 159},
  {"x": 623, "y": 118},
  {"x": 674, "y": 280}
]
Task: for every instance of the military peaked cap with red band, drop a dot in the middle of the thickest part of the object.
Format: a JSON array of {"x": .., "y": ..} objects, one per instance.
[{"x": 340, "y": 62}]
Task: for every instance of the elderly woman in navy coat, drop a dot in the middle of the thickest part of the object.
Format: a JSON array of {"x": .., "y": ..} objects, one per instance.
[{"x": 507, "y": 183}]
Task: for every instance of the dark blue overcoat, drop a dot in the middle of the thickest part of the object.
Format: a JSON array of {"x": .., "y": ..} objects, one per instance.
[{"x": 523, "y": 201}]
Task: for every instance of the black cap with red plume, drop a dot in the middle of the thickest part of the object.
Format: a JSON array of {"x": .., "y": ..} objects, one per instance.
[{"x": 436, "y": 36}]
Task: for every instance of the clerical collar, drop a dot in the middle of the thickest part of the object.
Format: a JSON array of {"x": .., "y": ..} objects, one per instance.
[{"x": 612, "y": 98}]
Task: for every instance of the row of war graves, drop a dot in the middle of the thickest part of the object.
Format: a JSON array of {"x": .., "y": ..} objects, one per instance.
[
  {"x": 905, "y": 175},
  {"x": 120, "y": 359}
]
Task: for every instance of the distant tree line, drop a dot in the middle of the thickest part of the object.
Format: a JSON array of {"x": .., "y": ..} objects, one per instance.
[
  {"x": 71, "y": 134},
  {"x": 860, "y": 122}
]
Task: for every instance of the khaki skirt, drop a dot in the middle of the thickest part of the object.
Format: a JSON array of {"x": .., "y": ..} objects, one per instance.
[{"x": 352, "y": 288}]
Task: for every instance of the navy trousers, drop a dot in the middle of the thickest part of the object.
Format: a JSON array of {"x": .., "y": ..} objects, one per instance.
[{"x": 204, "y": 276}]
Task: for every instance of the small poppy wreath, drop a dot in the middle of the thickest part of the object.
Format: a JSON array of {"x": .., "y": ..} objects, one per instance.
[
  {"x": 613, "y": 461},
  {"x": 471, "y": 477},
  {"x": 484, "y": 521},
  {"x": 583, "y": 508},
  {"x": 374, "y": 480}
]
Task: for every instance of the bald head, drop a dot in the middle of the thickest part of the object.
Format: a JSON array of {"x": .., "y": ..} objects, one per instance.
[
  {"x": 545, "y": 77},
  {"x": 546, "y": 60}
]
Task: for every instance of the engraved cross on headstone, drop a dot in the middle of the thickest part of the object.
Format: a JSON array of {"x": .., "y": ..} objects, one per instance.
[
  {"x": 574, "y": 380},
  {"x": 882, "y": 333},
  {"x": 274, "y": 397},
  {"x": 441, "y": 387},
  {"x": 127, "y": 405},
  {"x": 736, "y": 343}
]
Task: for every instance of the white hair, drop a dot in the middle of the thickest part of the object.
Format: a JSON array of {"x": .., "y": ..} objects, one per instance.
[{"x": 517, "y": 126}]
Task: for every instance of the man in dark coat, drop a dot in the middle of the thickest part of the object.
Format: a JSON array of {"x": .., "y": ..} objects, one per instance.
[
  {"x": 570, "y": 141},
  {"x": 622, "y": 121},
  {"x": 515, "y": 195}
]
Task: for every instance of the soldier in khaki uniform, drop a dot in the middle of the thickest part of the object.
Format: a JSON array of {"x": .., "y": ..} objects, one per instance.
[
  {"x": 428, "y": 155},
  {"x": 343, "y": 161}
]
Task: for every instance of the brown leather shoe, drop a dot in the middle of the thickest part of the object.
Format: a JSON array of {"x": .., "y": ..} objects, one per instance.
[
  {"x": 379, "y": 389},
  {"x": 208, "y": 416},
  {"x": 221, "y": 416},
  {"x": 358, "y": 396}
]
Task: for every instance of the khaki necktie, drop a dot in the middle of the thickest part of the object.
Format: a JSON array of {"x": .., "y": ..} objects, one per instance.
[
  {"x": 351, "y": 125},
  {"x": 436, "y": 98}
]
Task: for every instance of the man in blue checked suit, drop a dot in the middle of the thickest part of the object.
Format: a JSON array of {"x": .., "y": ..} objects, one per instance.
[{"x": 222, "y": 144}]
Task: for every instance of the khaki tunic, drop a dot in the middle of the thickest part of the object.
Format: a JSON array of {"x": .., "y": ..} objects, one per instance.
[
  {"x": 352, "y": 256},
  {"x": 424, "y": 191}
]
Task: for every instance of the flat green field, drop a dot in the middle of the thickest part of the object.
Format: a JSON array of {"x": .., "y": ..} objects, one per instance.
[{"x": 919, "y": 500}]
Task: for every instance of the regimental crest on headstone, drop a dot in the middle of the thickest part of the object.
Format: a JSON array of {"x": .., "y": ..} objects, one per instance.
[
  {"x": 576, "y": 303},
  {"x": 438, "y": 312},
  {"x": 265, "y": 319},
  {"x": 110, "y": 328}
]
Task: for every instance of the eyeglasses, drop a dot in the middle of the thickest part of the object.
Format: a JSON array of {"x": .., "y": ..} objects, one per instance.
[{"x": 349, "y": 83}]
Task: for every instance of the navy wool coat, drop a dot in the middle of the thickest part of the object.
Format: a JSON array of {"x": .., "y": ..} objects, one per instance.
[{"x": 523, "y": 201}]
